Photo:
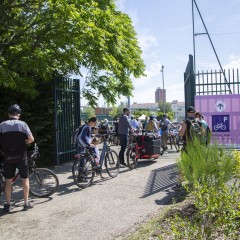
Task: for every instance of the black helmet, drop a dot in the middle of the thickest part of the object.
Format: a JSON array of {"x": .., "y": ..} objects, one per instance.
[{"x": 14, "y": 109}]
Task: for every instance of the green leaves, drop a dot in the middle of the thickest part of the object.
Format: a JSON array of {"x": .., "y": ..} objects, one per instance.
[{"x": 41, "y": 37}]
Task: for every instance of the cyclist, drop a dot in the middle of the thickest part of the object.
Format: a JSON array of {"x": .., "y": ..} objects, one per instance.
[
  {"x": 15, "y": 134},
  {"x": 84, "y": 137}
]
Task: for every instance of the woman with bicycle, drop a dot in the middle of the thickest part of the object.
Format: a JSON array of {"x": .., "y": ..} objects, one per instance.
[{"x": 84, "y": 134}]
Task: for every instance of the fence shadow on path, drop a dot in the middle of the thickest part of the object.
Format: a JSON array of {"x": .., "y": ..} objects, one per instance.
[{"x": 161, "y": 179}]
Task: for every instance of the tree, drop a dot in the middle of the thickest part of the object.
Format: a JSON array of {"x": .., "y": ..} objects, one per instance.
[
  {"x": 90, "y": 112},
  {"x": 117, "y": 110},
  {"x": 139, "y": 113},
  {"x": 168, "y": 110},
  {"x": 41, "y": 38}
]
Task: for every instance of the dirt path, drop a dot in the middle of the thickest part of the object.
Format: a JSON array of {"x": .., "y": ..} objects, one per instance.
[{"x": 106, "y": 210}]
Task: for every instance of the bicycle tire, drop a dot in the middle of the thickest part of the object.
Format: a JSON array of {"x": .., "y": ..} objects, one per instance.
[
  {"x": 83, "y": 172},
  {"x": 112, "y": 163},
  {"x": 132, "y": 161},
  {"x": 40, "y": 186}
]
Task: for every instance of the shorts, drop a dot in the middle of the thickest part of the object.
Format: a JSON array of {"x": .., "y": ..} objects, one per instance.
[{"x": 10, "y": 169}]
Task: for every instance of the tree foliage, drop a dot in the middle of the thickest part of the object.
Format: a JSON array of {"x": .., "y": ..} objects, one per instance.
[
  {"x": 117, "y": 110},
  {"x": 39, "y": 38}
]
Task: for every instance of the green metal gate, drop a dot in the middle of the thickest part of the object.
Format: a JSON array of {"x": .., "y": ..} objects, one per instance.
[
  {"x": 189, "y": 83},
  {"x": 67, "y": 116},
  {"x": 209, "y": 82}
]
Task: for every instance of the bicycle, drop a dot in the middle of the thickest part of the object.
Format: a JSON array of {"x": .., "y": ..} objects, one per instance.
[
  {"x": 113, "y": 139},
  {"x": 43, "y": 182},
  {"x": 174, "y": 139},
  {"x": 136, "y": 152},
  {"x": 84, "y": 166}
]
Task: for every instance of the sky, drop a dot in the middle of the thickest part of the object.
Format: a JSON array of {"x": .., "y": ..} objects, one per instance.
[
  {"x": 165, "y": 34},
  {"x": 164, "y": 30}
]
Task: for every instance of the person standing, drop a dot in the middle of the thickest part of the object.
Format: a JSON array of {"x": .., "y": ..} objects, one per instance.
[
  {"x": 15, "y": 134},
  {"x": 123, "y": 130},
  {"x": 165, "y": 124},
  {"x": 134, "y": 123},
  {"x": 207, "y": 136},
  {"x": 151, "y": 126},
  {"x": 186, "y": 130}
]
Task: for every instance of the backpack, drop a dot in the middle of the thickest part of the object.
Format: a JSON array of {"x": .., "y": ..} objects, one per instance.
[
  {"x": 76, "y": 135},
  {"x": 164, "y": 125},
  {"x": 196, "y": 131},
  {"x": 103, "y": 127}
]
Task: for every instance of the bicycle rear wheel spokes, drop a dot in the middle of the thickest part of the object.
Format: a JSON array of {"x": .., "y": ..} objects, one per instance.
[
  {"x": 132, "y": 158},
  {"x": 43, "y": 182},
  {"x": 83, "y": 173},
  {"x": 2, "y": 183},
  {"x": 112, "y": 163}
]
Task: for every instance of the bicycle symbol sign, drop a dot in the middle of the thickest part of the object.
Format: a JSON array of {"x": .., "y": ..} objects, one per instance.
[{"x": 220, "y": 123}]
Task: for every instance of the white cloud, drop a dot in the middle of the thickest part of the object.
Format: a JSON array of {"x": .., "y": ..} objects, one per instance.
[
  {"x": 147, "y": 41},
  {"x": 234, "y": 62}
]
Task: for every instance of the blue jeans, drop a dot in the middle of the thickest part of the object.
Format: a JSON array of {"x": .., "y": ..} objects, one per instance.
[{"x": 123, "y": 143}]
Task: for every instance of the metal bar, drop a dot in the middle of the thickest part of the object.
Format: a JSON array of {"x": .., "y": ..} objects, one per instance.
[
  {"x": 212, "y": 46},
  {"x": 238, "y": 83},
  {"x": 194, "y": 44}
]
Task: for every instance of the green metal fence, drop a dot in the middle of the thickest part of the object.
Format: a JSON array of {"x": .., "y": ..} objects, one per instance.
[{"x": 67, "y": 116}]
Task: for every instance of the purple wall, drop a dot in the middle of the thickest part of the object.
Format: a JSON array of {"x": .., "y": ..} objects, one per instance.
[{"x": 222, "y": 113}]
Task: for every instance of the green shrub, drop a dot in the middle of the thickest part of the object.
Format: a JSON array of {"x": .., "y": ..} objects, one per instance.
[{"x": 205, "y": 164}]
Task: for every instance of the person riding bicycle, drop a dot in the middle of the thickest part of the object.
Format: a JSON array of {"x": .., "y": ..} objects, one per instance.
[
  {"x": 151, "y": 125},
  {"x": 15, "y": 134},
  {"x": 84, "y": 137}
]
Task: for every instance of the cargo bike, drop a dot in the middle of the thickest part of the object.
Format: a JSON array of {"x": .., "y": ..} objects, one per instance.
[{"x": 143, "y": 146}]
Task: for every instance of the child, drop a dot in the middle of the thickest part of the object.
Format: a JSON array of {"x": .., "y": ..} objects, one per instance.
[{"x": 96, "y": 153}]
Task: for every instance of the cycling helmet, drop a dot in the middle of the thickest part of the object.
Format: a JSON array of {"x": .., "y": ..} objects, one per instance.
[{"x": 14, "y": 109}]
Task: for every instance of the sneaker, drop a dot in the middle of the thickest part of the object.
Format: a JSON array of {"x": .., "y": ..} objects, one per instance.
[
  {"x": 122, "y": 165},
  {"x": 28, "y": 206},
  {"x": 6, "y": 208}
]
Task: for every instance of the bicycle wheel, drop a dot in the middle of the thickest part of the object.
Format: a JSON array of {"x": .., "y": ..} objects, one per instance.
[
  {"x": 112, "y": 163},
  {"x": 132, "y": 159},
  {"x": 2, "y": 183},
  {"x": 174, "y": 143},
  {"x": 43, "y": 182},
  {"x": 83, "y": 173}
]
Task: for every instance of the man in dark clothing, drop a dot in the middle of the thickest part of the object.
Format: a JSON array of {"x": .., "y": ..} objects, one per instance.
[
  {"x": 15, "y": 134},
  {"x": 186, "y": 126},
  {"x": 123, "y": 130}
]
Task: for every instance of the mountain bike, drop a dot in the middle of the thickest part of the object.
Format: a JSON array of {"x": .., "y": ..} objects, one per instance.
[
  {"x": 43, "y": 182},
  {"x": 85, "y": 168}
]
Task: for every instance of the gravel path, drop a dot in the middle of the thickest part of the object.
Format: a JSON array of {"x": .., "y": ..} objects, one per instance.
[{"x": 106, "y": 210}]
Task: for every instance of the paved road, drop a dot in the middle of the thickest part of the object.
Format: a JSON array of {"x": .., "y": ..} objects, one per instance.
[{"x": 106, "y": 210}]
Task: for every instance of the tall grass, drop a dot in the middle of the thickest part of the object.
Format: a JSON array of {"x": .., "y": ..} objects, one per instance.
[{"x": 205, "y": 164}]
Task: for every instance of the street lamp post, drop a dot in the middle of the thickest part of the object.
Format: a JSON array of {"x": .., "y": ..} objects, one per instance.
[{"x": 164, "y": 95}]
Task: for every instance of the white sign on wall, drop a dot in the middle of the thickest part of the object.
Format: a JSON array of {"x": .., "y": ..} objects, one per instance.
[{"x": 220, "y": 106}]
